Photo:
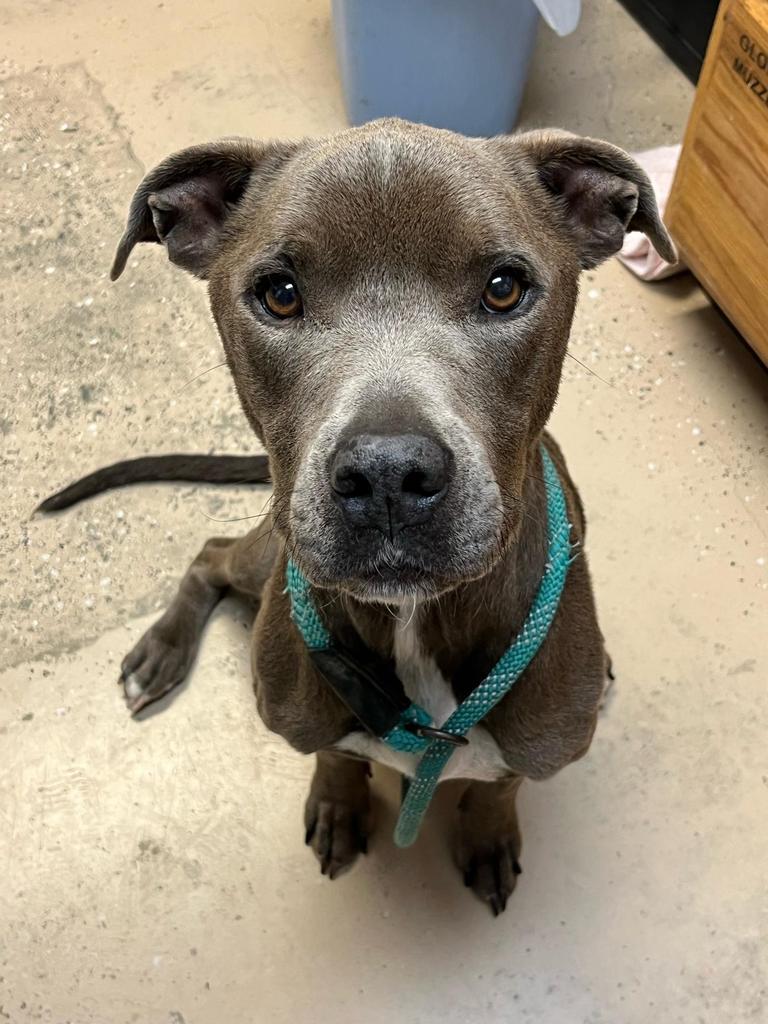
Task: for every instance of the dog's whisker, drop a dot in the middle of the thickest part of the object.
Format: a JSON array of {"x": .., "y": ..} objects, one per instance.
[
  {"x": 236, "y": 519},
  {"x": 404, "y": 624},
  {"x": 239, "y": 519},
  {"x": 199, "y": 375},
  {"x": 589, "y": 369}
]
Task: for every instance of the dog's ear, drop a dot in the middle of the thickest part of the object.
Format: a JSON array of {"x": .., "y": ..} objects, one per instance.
[
  {"x": 600, "y": 191},
  {"x": 184, "y": 202}
]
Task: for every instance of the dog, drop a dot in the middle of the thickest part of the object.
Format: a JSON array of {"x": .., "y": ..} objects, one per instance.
[{"x": 394, "y": 302}]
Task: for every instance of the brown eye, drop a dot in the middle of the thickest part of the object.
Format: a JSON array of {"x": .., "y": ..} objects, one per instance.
[
  {"x": 503, "y": 291},
  {"x": 280, "y": 296}
]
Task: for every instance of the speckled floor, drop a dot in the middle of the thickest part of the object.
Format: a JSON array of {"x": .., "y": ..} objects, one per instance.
[{"x": 154, "y": 871}]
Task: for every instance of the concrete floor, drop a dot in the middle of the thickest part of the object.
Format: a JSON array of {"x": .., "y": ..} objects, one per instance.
[{"x": 154, "y": 871}]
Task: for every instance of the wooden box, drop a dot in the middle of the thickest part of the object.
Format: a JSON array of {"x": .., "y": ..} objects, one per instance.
[{"x": 718, "y": 208}]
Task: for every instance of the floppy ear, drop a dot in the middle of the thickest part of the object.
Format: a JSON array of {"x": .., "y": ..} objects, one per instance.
[
  {"x": 600, "y": 191},
  {"x": 184, "y": 202}
]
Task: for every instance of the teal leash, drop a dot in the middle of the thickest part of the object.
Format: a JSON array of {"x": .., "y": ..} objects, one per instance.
[{"x": 437, "y": 752}]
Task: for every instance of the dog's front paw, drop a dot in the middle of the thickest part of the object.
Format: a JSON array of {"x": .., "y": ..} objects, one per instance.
[
  {"x": 488, "y": 843},
  {"x": 154, "y": 666},
  {"x": 492, "y": 872},
  {"x": 337, "y": 814},
  {"x": 337, "y": 832}
]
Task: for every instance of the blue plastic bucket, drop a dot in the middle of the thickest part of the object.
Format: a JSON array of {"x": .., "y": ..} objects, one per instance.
[{"x": 459, "y": 64}]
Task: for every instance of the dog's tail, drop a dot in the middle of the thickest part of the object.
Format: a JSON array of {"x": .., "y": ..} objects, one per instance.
[{"x": 210, "y": 469}]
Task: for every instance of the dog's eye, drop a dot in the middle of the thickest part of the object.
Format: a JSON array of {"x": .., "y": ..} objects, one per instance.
[
  {"x": 504, "y": 291},
  {"x": 280, "y": 296}
]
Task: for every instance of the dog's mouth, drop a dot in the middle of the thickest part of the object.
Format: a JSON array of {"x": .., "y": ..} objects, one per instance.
[
  {"x": 393, "y": 581},
  {"x": 394, "y": 574},
  {"x": 391, "y": 576}
]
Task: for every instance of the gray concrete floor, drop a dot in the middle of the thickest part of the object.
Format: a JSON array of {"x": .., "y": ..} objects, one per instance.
[{"x": 154, "y": 871}]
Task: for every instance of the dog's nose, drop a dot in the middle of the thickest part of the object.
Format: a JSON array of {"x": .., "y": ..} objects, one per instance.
[{"x": 389, "y": 481}]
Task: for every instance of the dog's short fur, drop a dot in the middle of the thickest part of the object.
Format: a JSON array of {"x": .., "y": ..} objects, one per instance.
[{"x": 391, "y": 231}]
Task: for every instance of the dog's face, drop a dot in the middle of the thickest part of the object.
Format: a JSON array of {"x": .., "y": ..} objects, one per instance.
[{"x": 395, "y": 303}]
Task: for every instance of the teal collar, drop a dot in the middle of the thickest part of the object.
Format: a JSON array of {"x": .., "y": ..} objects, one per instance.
[{"x": 381, "y": 705}]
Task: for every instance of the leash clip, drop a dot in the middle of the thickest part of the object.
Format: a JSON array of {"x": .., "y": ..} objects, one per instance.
[{"x": 427, "y": 732}]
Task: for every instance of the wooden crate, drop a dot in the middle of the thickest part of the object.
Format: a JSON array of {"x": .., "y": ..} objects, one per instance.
[{"x": 718, "y": 208}]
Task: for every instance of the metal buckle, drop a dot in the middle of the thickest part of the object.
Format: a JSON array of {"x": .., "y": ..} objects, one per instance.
[{"x": 426, "y": 732}]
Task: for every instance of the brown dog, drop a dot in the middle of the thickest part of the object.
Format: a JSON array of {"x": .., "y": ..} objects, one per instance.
[{"x": 394, "y": 303}]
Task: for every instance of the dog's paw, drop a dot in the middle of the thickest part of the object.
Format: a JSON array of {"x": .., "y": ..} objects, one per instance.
[
  {"x": 153, "y": 667},
  {"x": 491, "y": 872},
  {"x": 337, "y": 832}
]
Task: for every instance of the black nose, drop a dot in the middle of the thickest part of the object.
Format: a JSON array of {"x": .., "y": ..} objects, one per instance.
[{"x": 389, "y": 481}]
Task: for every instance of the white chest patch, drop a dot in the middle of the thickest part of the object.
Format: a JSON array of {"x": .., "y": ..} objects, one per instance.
[{"x": 425, "y": 685}]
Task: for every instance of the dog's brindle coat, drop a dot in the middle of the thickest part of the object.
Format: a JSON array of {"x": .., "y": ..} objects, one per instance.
[{"x": 391, "y": 232}]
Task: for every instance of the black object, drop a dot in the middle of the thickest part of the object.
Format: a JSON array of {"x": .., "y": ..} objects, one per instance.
[
  {"x": 680, "y": 27},
  {"x": 428, "y": 732},
  {"x": 370, "y": 688}
]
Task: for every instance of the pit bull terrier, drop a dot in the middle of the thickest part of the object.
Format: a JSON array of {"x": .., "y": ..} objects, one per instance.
[{"x": 394, "y": 302}]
